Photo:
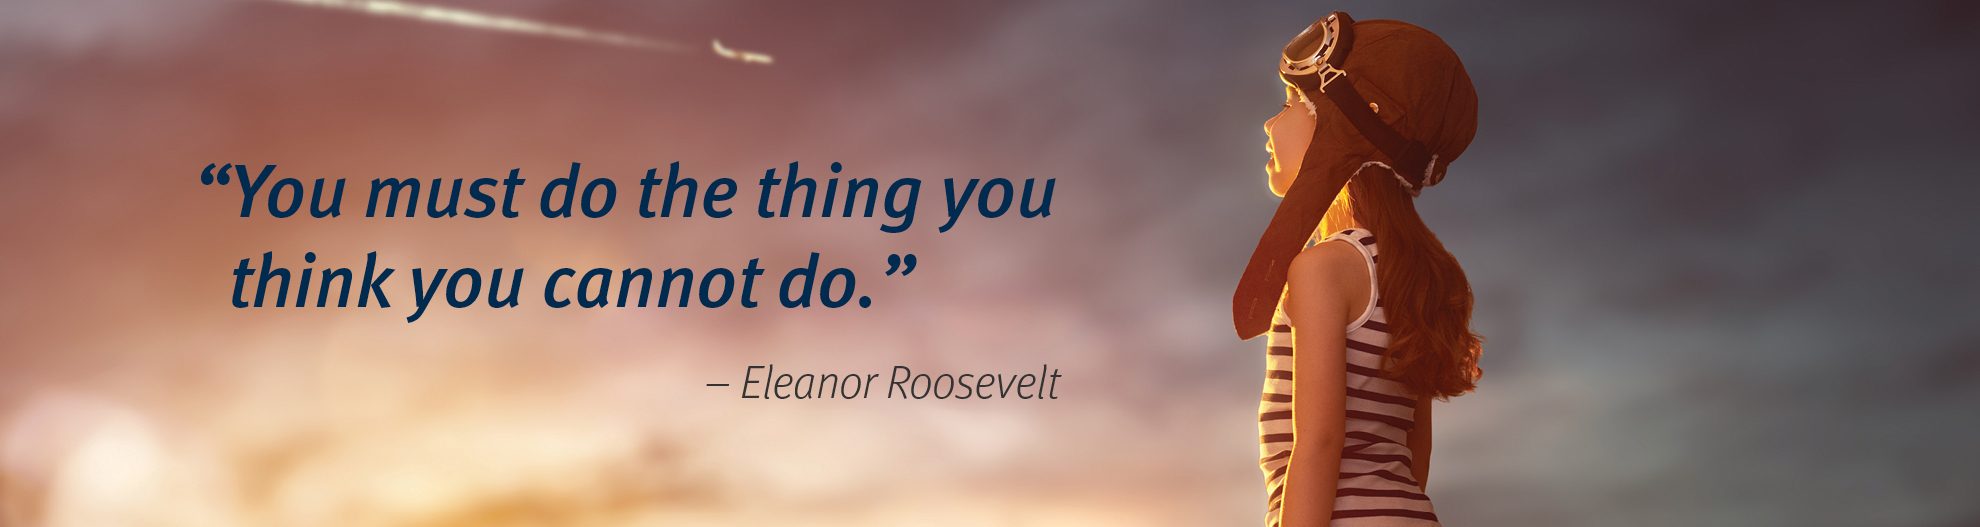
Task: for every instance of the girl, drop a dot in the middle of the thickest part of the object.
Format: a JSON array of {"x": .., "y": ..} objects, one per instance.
[{"x": 1370, "y": 316}]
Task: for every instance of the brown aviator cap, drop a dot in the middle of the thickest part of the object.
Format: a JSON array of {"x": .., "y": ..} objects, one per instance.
[{"x": 1386, "y": 94}]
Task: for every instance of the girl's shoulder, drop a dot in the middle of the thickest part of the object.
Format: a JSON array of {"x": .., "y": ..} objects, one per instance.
[
  {"x": 1332, "y": 262},
  {"x": 1335, "y": 252},
  {"x": 1333, "y": 272}
]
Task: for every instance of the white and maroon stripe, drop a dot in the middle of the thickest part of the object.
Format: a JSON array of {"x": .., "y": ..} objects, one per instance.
[{"x": 1375, "y": 485}]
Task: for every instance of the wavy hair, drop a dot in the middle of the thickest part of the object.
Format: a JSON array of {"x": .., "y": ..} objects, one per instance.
[{"x": 1423, "y": 289}]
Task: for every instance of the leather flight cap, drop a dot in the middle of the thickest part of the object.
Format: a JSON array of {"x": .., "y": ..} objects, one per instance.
[{"x": 1318, "y": 73}]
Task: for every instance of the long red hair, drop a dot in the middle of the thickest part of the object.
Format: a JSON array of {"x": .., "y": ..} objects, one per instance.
[{"x": 1424, "y": 293}]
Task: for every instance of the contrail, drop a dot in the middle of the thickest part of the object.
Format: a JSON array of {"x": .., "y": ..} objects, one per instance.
[
  {"x": 470, "y": 19},
  {"x": 747, "y": 57}
]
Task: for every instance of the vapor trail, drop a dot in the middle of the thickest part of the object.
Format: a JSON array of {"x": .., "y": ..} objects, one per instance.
[{"x": 474, "y": 20}]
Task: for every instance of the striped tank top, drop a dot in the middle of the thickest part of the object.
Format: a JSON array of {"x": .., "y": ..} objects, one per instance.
[{"x": 1376, "y": 485}]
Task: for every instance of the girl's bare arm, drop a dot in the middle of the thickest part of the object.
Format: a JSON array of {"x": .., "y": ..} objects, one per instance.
[{"x": 1318, "y": 305}]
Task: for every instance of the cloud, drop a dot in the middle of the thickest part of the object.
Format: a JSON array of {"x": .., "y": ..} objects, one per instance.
[{"x": 68, "y": 28}]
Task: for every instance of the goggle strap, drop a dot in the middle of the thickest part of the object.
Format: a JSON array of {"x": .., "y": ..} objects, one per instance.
[{"x": 1410, "y": 158}]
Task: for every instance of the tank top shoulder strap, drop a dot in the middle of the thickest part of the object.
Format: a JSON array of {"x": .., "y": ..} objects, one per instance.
[
  {"x": 1360, "y": 238},
  {"x": 1363, "y": 241}
]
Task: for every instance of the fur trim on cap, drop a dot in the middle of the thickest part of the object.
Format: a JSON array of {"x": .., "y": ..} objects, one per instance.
[{"x": 1400, "y": 180}]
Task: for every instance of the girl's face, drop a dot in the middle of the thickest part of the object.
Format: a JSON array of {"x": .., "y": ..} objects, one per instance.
[{"x": 1286, "y": 137}]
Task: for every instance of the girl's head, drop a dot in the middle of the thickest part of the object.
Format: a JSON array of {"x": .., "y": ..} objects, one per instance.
[
  {"x": 1412, "y": 81},
  {"x": 1415, "y": 84}
]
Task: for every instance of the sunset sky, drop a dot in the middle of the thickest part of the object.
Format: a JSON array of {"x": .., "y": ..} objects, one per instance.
[{"x": 1722, "y": 255}]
